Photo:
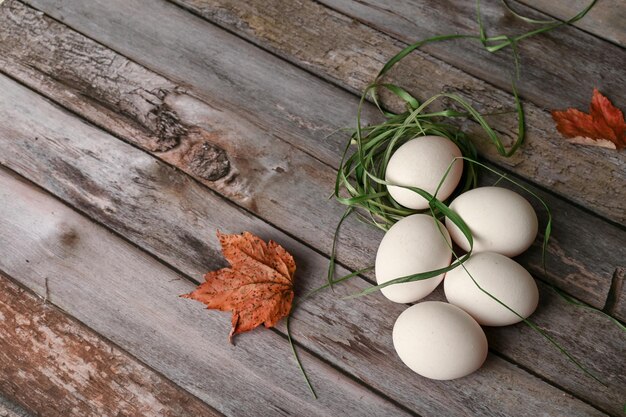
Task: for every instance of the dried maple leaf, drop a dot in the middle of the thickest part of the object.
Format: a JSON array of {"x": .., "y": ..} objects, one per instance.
[
  {"x": 258, "y": 286},
  {"x": 603, "y": 126}
]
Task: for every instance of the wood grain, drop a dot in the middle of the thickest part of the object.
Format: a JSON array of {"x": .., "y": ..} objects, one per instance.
[
  {"x": 591, "y": 62},
  {"x": 106, "y": 88},
  {"x": 132, "y": 299},
  {"x": 354, "y": 58},
  {"x": 605, "y": 20},
  {"x": 174, "y": 217},
  {"x": 57, "y": 367},
  {"x": 559, "y": 318},
  {"x": 265, "y": 175},
  {"x": 294, "y": 105}
]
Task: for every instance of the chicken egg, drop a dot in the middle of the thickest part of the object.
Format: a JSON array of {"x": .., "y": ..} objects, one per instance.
[
  {"x": 422, "y": 162},
  {"x": 501, "y": 277},
  {"x": 439, "y": 341},
  {"x": 413, "y": 245},
  {"x": 500, "y": 220}
]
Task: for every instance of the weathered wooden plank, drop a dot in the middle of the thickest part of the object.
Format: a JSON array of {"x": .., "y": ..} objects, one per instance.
[
  {"x": 582, "y": 259},
  {"x": 168, "y": 214},
  {"x": 132, "y": 299},
  {"x": 271, "y": 90},
  {"x": 605, "y": 20},
  {"x": 567, "y": 323},
  {"x": 570, "y": 325},
  {"x": 590, "y": 61},
  {"x": 562, "y": 320},
  {"x": 295, "y": 105},
  {"x": 57, "y": 367},
  {"x": 106, "y": 88}
]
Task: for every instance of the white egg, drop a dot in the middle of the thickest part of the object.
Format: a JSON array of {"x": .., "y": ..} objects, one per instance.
[
  {"x": 500, "y": 220},
  {"x": 413, "y": 245},
  {"x": 503, "y": 278},
  {"x": 422, "y": 162},
  {"x": 439, "y": 341}
]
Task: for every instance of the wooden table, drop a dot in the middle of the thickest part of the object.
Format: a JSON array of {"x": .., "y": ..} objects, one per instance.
[{"x": 131, "y": 130}]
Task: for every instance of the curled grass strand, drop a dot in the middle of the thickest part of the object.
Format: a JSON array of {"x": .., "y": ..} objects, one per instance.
[{"x": 526, "y": 19}]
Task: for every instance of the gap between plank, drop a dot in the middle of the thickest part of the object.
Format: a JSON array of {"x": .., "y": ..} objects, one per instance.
[{"x": 612, "y": 298}]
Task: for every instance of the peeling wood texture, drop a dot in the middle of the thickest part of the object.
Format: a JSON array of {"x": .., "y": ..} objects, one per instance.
[
  {"x": 105, "y": 88},
  {"x": 174, "y": 218},
  {"x": 57, "y": 367},
  {"x": 274, "y": 92},
  {"x": 132, "y": 299},
  {"x": 262, "y": 172}
]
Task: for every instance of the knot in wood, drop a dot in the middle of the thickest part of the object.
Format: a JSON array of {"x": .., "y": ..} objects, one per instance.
[
  {"x": 209, "y": 161},
  {"x": 67, "y": 235},
  {"x": 168, "y": 127}
]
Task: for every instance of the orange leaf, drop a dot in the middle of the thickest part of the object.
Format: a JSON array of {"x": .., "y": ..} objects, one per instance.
[
  {"x": 257, "y": 288},
  {"x": 603, "y": 126}
]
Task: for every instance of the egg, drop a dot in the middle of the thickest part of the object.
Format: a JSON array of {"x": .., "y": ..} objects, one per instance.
[
  {"x": 503, "y": 278},
  {"x": 500, "y": 220},
  {"x": 414, "y": 244},
  {"x": 439, "y": 341},
  {"x": 422, "y": 162}
]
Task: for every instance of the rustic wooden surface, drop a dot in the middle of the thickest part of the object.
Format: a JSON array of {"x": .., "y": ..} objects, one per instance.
[
  {"x": 149, "y": 120},
  {"x": 342, "y": 60},
  {"x": 132, "y": 299},
  {"x": 185, "y": 212},
  {"x": 269, "y": 90},
  {"x": 545, "y": 82},
  {"x": 55, "y": 63},
  {"x": 53, "y": 364}
]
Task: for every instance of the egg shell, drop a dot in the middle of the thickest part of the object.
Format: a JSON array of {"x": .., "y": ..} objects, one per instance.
[
  {"x": 422, "y": 162},
  {"x": 500, "y": 220},
  {"x": 413, "y": 245},
  {"x": 502, "y": 277},
  {"x": 439, "y": 341}
]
